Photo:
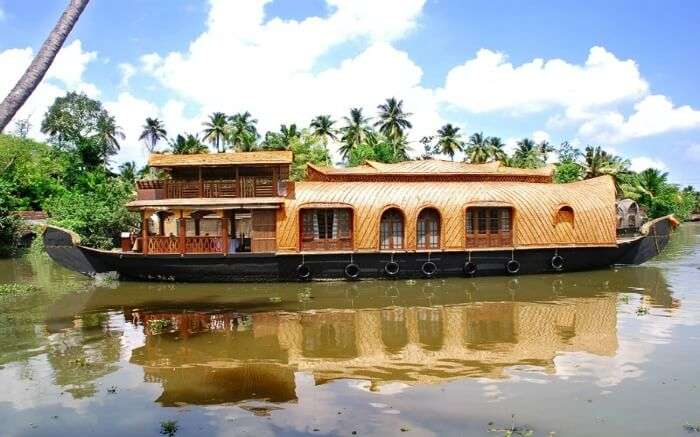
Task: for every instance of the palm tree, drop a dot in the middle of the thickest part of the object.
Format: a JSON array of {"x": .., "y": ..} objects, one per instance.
[
  {"x": 40, "y": 64},
  {"x": 477, "y": 148},
  {"x": 400, "y": 148},
  {"x": 322, "y": 127},
  {"x": 545, "y": 148},
  {"x": 153, "y": 131},
  {"x": 527, "y": 155},
  {"x": 127, "y": 171},
  {"x": 215, "y": 130},
  {"x": 393, "y": 120},
  {"x": 289, "y": 134},
  {"x": 449, "y": 141},
  {"x": 107, "y": 135},
  {"x": 242, "y": 131},
  {"x": 355, "y": 132},
  {"x": 598, "y": 162},
  {"x": 187, "y": 145},
  {"x": 496, "y": 150}
]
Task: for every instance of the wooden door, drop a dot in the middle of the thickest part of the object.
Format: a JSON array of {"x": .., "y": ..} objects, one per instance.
[{"x": 264, "y": 235}]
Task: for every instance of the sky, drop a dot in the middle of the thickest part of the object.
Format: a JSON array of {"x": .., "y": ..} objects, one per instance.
[{"x": 619, "y": 74}]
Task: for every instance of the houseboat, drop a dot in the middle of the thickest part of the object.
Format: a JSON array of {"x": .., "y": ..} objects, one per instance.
[{"x": 239, "y": 217}]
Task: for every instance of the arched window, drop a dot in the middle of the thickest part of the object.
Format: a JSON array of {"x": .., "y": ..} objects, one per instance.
[
  {"x": 391, "y": 230},
  {"x": 428, "y": 229},
  {"x": 564, "y": 215}
]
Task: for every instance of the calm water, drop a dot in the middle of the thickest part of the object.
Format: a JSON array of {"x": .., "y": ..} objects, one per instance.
[{"x": 613, "y": 352}]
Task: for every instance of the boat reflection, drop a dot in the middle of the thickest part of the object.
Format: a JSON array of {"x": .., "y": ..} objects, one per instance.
[
  {"x": 214, "y": 345},
  {"x": 220, "y": 356}
]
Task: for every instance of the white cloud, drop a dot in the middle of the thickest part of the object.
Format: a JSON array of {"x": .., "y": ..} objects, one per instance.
[
  {"x": 653, "y": 115},
  {"x": 127, "y": 72},
  {"x": 270, "y": 68},
  {"x": 66, "y": 73},
  {"x": 2, "y": 14},
  {"x": 641, "y": 163},
  {"x": 489, "y": 82},
  {"x": 540, "y": 135}
]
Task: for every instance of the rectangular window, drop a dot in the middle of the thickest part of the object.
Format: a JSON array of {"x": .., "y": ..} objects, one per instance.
[
  {"x": 488, "y": 227},
  {"x": 326, "y": 229}
]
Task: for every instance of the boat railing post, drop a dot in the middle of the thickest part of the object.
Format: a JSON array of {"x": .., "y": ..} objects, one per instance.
[
  {"x": 144, "y": 231},
  {"x": 224, "y": 233},
  {"x": 183, "y": 232}
]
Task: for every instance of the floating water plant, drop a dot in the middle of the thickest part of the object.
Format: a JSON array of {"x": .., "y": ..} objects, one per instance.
[
  {"x": 17, "y": 288},
  {"x": 513, "y": 430},
  {"x": 642, "y": 311},
  {"x": 168, "y": 427}
]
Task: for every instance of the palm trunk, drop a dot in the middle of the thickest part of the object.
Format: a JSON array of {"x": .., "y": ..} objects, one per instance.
[{"x": 42, "y": 61}]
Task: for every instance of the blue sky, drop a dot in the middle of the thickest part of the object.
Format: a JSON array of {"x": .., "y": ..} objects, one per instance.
[{"x": 620, "y": 74}]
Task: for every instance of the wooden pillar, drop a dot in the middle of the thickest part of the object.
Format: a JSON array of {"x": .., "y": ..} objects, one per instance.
[
  {"x": 183, "y": 232},
  {"x": 144, "y": 231},
  {"x": 275, "y": 172},
  {"x": 238, "y": 184},
  {"x": 196, "y": 225},
  {"x": 162, "y": 215},
  {"x": 201, "y": 184},
  {"x": 224, "y": 232}
]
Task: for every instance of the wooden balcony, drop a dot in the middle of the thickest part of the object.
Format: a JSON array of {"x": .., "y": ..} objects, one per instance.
[{"x": 245, "y": 186}]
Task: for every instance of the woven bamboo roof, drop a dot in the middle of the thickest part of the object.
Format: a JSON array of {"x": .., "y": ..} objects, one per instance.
[
  {"x": 217, "y": 159},
  {"x": 535, "y": 208},
  {"x": 372, "y": 170}
]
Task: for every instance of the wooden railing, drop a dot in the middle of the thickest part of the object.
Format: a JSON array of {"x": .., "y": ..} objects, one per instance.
[
  {"x": 158, "y": 245},
  {"x": 163, "y": 244},
  {"x": 204, "y": 245},
  {"x": 245, "y": 186}
]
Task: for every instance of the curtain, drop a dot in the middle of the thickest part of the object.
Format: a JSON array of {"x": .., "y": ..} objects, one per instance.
[
  {"x": 316, "y": 216},
  {"x": 335, "y": 213}
]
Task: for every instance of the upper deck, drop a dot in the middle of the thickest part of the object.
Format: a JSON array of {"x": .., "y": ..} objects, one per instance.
[{"x": 218, "y": 175}]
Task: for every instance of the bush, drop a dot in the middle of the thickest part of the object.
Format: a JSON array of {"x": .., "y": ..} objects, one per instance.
[{"x": 94, "y": 208}]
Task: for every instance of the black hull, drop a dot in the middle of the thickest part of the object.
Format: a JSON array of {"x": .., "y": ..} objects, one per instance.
[{"x": 283, "y": 267}]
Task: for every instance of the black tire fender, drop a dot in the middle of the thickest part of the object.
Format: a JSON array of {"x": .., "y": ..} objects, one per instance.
[
  {"x": 303, "y": 272},
  {"x": 391, "y": 269},
  {"x": 428, "y": 269},
  {"x": 352, "y": 271},
  {"x": 513, "y": 267},
  {"x": 470, "y": 268}
]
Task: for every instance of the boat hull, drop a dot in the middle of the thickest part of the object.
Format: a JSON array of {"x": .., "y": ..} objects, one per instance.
[{"x": 284, "y": 267}]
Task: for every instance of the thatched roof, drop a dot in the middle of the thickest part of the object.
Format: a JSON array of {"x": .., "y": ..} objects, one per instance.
[
  {"x": 218, "y": 159},
  {"x": 535, "y": 207},
  {"x": 432, "y": 169}
]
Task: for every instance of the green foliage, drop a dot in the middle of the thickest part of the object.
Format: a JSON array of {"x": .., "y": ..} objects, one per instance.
[
  {"x": 31, "y": 171},
  {"x": 79, "y": 124},
  {"x": 187, "y": 144},
  {"x": 159, "y": 325},
  {"x": 568, "y": 171},
  {"x": 307, "y": 148},
  {"x": 377, "y": 148},
  {"x": 94, "y": 208}
]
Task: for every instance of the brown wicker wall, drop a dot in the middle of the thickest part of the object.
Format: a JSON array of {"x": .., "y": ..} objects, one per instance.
[{"x": 534, "y": 221}]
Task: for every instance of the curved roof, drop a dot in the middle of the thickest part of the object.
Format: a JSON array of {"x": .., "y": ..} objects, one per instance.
[
  {"x": 433, "y": 168},
  {"x": 217, "y": 159},
  {"x": 534, "y": 204}
]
